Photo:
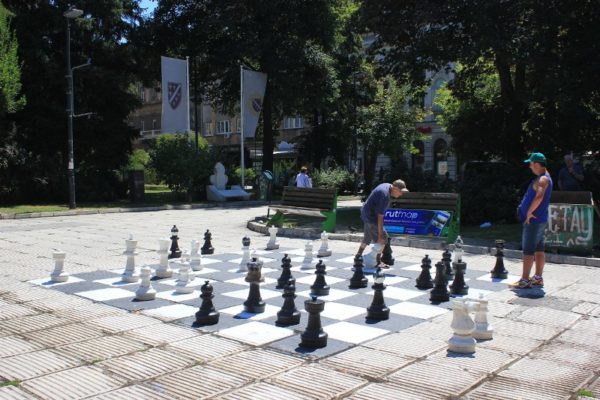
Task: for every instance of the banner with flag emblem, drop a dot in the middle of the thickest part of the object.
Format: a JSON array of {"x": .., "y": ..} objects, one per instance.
[
  {"x": 253, "y": 92},
  {"x": 175, "y": 95}
]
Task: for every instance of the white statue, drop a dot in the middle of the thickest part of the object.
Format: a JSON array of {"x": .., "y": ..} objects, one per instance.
[{"x": 219, "y": 179}]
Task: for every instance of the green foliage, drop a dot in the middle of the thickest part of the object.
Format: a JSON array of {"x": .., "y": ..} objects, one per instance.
[
  {"x": 138, "y": 160},
  {"x": 11, "y": 99},
  {"x": 585, "y": 393},
  {"x": 15, "y": 382},
  {"x": 339, "y": 178},
  {"x": 236, "y": 176},
  {"x": 178, "y": 163}
]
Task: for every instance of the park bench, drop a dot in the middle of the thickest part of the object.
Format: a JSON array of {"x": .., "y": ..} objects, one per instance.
[
  {"x": 317, "y": 202},
  {"x": 448, "y": 202}
]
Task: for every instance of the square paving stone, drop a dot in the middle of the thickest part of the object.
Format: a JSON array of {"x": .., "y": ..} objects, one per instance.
[
  {"x": 131, "y": 392},
  {"x": 14, "y": 393},
  {"x": 13, "y": 345},
  {"x": 485, "y": 361},
  {"x": 146, "y": 364},
  {"x": 102, "y": 348},
  {"x": 257, "y": 364},
  {"x": 158, "y": 335},
  {"x": 11, "y": 311},
  {"x": 263, "y": 390},
  {"x": 368, "y": 363},
  {"x": 206, "y": 347},
  {"x": 31, "y": 323},
  {"x": 62, "y": 335},
  {"x": 517, "y": 328},
  {"x": 406, "y": 344},
  {"x": 379, "y": 391},
  {"x": 122, "y": 322},
  {"x": 31, "y": 365},
  {"x": 548, "y": 316}
]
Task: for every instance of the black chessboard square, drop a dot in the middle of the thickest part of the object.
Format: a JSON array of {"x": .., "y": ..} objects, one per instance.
[
  {"x": 395, "y": 323},
  {"x": 132, "y": 305},
  {"x": 225, "y": 321},
  {"x": 95, "y": 275},
  {"x": 291, "y": 344},
  {"x": 220, "y": 302},
  {"x": 76, "y": 287}
]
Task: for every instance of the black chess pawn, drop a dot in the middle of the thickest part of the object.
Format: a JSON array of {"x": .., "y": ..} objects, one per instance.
[
  {"x": 286, "y": 273},
  {"x": 320, "y": 286},
  {"x": 289, "y": 314},
  {"x": 424, "y": 280},
  {"x": 207, "y": 315},
  {"x": 254, "y": 303},
  {"x": 499, "y": 272},
  {"x": 175, "y": 251},
  {"x": 378, "y": 311},
  {"x": 440, "y": 293},
  {"x": 358, "y": 280},
  {"x": 207, "y": 248},
  {"x": 314, "y": 336},
  {"x": 386, "y": 254},
  {"x": 447, "y": 261},
  {"x": 458, "y": 286}
]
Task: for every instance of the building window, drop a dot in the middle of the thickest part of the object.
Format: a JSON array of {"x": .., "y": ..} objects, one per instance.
[
  {"x": 293, "y": 123},
  {"x": 440, "y": 157},
  {"x": 153, "y": 124},
  {"x": 223, "y": 126},
  {"x": 142, "y": 94},
  {"x": 208, "y": 129},
  {"x": 238, "y": 124},
  {"x": 418, "y": 158}
]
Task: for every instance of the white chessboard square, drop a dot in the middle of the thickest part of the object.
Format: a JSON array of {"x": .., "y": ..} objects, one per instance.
[
  {"x": 346, "y": 260},
  {"x": 422, "y": 311},
  {"x": 334, "y": 294},
  {"x": 172, "y": 312},
  {"x": 194, "y": 283},
  {"x": 242, "y": 281},
  {"x": 115, "y": 281},
  {"x": 265, "y": 260},
  {"x": 238, "y": 312},
  {"x": 392, "y": 280},
  {"x": 106, "y": 294},
  {"x": 353, "y": 333},
  {"x": 340, "y": 312},
  {"x": 400, "y": 293},
  {"x": 171, "y": 295},
  {"x": 256, "y": 333},
  {"x": 474, "y": 293},
  {"x": 203, "y": 271},
  {"x": 264, "y": 270},
  {"x": 509, "y": 279},
  {"x": 259, "y": 252},
  {"x": 243, "y": 294},
  {"x": 208, "y": 261},
  {"x": 46, "y": 282},
  {"x": 415, "y": 267},
  {"x": 310, "y": 279}
]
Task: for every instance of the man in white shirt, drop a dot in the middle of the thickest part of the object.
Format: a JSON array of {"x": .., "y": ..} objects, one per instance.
[{"x": 302, "y": 179}]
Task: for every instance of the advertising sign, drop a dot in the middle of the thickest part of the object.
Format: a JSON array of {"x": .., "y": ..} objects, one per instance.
[
  {"x": 417, "y": 222},
  {"x": 570, "y": 227}
]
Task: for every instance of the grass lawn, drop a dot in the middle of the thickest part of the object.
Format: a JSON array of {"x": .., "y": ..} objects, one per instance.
[{"x": 507, "y": 232}]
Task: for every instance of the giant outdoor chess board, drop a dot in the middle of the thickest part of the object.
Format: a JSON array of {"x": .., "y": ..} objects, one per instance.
[{"x": 345, "y": 309}]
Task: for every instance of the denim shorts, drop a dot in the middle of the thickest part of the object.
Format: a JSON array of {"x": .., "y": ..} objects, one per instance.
[
  {"x": 371, "y": 234},
  {"x": 533, "y": 238}
]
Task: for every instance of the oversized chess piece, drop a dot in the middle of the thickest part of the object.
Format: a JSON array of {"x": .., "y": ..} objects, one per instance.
[
  {"x": 424, "y": 280},
  {"x": 439, "y": 293},
  {"x": 163, "y": 270},
  {"x": 314, "y": 336},
  {"x": 462, "y": 340},
  {"x": 207, "y": 315},
  {"x": 286, "y": 273},
  {"x": 371, "y": 259},
  {"x": 245, "y": 254},
  {"x": 272, "y": 244},
  {"x": 458, "y": 286},
  {"x": 59, "y": 275},
  {"x": 145, "y": 291},
  {"x": 320, "y": 286},
  {"x": 499, "y": 272},
  {"x": 358, "y": 280},
  {"x": 308, "y": 256},
  {"x": 483, "y": 329},
  {"x": 324, "y": 250},
  {"x": 254, "y": 303},
  {"x": 182, "y": 285},
  {"x": 289, "y": 314},
  {"x": 378, "y": 311},
  {"x": 130, "y": 274},
  {"x": 175, "y": 251},
  {"x": 447, "y": 261},
  {"x": 195, "y": 257},
  {"x": 386, "y": 254},
  {"x": 207, "y": 247}
]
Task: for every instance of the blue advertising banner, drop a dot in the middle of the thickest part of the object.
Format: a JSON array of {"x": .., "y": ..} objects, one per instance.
[{"x": 417, "y": 222}]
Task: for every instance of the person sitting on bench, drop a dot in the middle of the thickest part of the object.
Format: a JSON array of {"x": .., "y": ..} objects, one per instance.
[{"x": 302, "y": 179}]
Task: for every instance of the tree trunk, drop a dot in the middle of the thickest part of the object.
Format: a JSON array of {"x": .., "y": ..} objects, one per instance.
[
  {"x": 268, "y": 140},
  {"x": 317, "y": 145},
  {"x": 509, "y": 94},
  {"x": 370, "y": 161}
]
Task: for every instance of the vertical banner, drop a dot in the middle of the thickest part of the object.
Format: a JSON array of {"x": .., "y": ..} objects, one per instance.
[
  {"x": 253, "y": 92},
  {"x": 175, "y": 95}
]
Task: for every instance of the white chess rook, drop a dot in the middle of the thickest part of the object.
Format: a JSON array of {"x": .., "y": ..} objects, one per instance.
[
  {"x": 272, "y": 244},
  {"x": 308, "y": 256},
  {"x": 195, "y": 257},
  {"x": 58, "y": 275},
  {"x": 324, "y": 250},
  {"x": 183, "y": 279},
  {"x": 483, "y": 329},
  {"x": 370, "y": 259},
  {"x": 462, "y": 340},
  {"x": 163, "y": 270},
  {"x": 130, "y": 274},
  {"x": 145, "y": 291}
]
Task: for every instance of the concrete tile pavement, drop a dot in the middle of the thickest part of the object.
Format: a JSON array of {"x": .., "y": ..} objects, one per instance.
[{"x": 50, "y": 341}]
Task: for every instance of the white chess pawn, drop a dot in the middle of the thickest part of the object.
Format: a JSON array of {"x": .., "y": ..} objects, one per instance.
[
  {"x": 462, "y": 340},
  {"x": 245, "y": 259},
  {"x": 130, "y": 274},
  {"x": 183, "y": 279},
  {"x": 195, "y": 257},
  {"x": 370, "y": 259},
  {"x": 145, "y": 291},
  {"x": 483, "y": 329},
  {"x": 163, "y": 270},
  {"x": 272, "y": 244},
  {"x": 308, "y": 256},
  {"x": 58, "y": 275},
  {"x": 324, "y": 250}
]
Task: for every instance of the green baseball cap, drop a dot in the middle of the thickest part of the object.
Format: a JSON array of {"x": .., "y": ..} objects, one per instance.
[{"x": 536, "y": 157}]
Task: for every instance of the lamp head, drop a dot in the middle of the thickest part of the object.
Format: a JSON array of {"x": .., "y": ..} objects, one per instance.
[{"x": 73, "y": 13}]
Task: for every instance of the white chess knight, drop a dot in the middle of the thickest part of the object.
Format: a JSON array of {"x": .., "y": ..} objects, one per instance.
[
  {"x": 370, "y": 259},
  {"x": 272, "y": 244},
  {"x": 163, "y": 270},
  {"x": 462, "y": 340},
  {"x": 145, "y": 291},
  {"x": 324, "y": 250},
  {"x": 130, "y": 274},
  {"x": 483, "y": 329},
  {"x": 195, "y": 257},
  {"x": 308, "y": 256},
  {"x": 58, "y": 275},
  {"x": 183, "y": 279}
]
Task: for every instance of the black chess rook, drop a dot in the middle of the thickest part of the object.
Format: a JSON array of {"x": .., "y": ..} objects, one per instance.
[
  {"x": 358, "y": 280},
  {"x": 447, "y": 261},
  {"x": 424, "y": 280},
  {"x": 439, "y": 293},
  {"x": 286, "y": 272},
  {"x": 254, "y": 303},
  {"x": 499, "y": 272},
  {"x": 458, "y": 286},
  {"x": 289, "y": 314},
  {"x": 175, "y": 251},
  {"x": 207, "y": 315},
  {"x": 314, "y": 336},
  {"x": 207, "y": 248},
  {"x": 320, "y": 286}
]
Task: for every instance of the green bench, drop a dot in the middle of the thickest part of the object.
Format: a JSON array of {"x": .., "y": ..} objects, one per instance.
[{"x": 317, "y": 202}]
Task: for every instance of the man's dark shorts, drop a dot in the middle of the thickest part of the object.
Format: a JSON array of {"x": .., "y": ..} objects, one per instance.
[
  {"x": 533, "y": 238},
  {"x": 371, "y": 235}
]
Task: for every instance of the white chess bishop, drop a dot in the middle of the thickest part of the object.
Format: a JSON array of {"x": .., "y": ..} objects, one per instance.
[{"x": 324, "y": 250}]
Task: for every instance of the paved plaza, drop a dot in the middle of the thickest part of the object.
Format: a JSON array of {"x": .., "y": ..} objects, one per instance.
[{"x": 57, "y": 345}]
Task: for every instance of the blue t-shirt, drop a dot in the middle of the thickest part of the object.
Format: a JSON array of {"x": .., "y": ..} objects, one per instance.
[
  {"x": 540, "y": 213},
  {"x": 377, "y": 202},
  {"x": 568, "y": 181}
]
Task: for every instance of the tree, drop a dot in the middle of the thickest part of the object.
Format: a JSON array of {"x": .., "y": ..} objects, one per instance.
[{"x": 11, "y": 99}]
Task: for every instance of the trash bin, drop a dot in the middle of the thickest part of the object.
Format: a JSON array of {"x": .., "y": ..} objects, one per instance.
[
  {"x": 136, "y": 186},
  {"x": 265, "y": 185}
]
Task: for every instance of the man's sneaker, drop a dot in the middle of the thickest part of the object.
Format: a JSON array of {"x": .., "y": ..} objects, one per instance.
[
  {"x": 521, "y": 284},
  {"x": 382, "y": 266},
  {"x": 537, "y": 280}
]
